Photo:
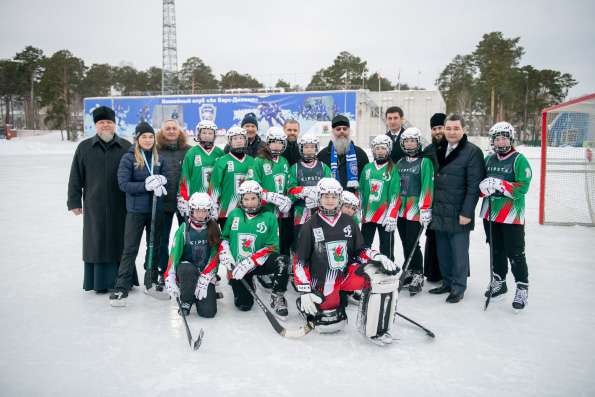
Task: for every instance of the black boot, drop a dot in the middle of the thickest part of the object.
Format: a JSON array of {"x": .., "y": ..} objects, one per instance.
[{"x": 443, "y": 289}]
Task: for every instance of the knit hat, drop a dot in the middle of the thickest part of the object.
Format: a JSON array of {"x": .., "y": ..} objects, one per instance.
[
  {"x": 250, "y": 118},
  {"x": 103, "y": 113},
  {"x": 143, "y": 127},
  {"x": 437, "y": 119},
  {"x": 340, "y": 120}
]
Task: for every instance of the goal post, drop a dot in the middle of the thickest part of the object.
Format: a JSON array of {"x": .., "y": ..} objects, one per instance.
[{"x": 567, "y": 185}]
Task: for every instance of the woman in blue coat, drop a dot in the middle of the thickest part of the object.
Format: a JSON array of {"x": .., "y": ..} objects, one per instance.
[{"x": 140, "y": 176}]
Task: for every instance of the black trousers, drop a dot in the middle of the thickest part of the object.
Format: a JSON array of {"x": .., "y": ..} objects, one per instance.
[
  {"x": 431, "y": 261},
  {"x": 187, "y": 274},
  {"x": 387, "y": 246},
  {"x": 221, "y": 222},
  {"x": 408, "y": 231},
  {"x": 276, "y": 265},
  {"x": 166, "y": 223},
  {"x": 133, "y": 231},
  {"x": 285, "y": 235},
  {"x": 453, "y": 250},
  {"x": 508, "y": 244}
]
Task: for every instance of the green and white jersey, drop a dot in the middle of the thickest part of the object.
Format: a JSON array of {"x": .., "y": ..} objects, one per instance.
[
  {"x": 303, "y": 175},
  {"x": 415, "y": 186},
  {"x": 273, "y": 176},
  {"x": 197, "y": 169},
  {"x": 228, "y": 174},
  {"x": 254, "y": 236},
  {"x": 515, "y": 172},
  {"x": 376, "y": 190}
]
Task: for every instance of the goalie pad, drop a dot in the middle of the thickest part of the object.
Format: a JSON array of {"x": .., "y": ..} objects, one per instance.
[{"x": 378, "y": 304}]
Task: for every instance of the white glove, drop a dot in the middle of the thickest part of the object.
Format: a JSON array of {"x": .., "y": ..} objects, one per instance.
[
  {"x": 225, "y": 257},
  {"x": 353, "y": 184},
  {"x": 389, "y": 223},
  {"x": 487, "y": 187},
  {"x": 425, "y": 217},
  {"x": 498, "y": 186},
  {"x": 311, "y": 203},
  {"x": 281, "y": 201},
  {"x": 242, "y": 268},
  {"x": 154, "y": 181},
  {"x": 171, "y": 286},
  {"x": 202, "y": 287},
  {"x": 306, "y": 192},
  {"x": 308, "y": 303},
  {"x": 160, "y": 191},
  {"x": 387, "y": 264},
  {"x": 183, "y": 207}
]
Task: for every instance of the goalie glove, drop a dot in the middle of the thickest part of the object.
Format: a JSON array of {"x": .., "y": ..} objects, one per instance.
[{"x": 308, "y": 303}]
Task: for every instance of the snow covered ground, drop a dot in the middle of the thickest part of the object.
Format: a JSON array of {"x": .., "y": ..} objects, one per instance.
[{"x": 56, "y": 339}]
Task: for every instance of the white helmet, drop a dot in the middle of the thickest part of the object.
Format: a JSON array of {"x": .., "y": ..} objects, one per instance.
[
  {"x": 276, "y": 134},
  {"x": 235, "y": 131},
  {"x": 205, "y": 125},
  {"x": 411, "y": 133},
  {"x": 349, "y": 198},
  {"x": 329, "y": 186},
  {"x": 505, "y": 129},
  {"x": 201, "y": 201},
  {"x": 250, "y": 187},
  {"x": 382, "y": 140},
  {"x": 311, "y": 139}
]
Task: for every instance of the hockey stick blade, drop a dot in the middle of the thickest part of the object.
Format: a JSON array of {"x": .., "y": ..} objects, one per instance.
[
  {"x": 198, "y": 340},
  {"x": 280, "y": 329}
]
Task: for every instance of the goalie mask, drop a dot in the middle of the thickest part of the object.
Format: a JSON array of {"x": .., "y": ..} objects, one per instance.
[
  {"x": 308, "y": 139},
  {"x": 276, "y": 134},
  {"x": 381, "y": 141},
  {"x": 235, "y": 145},
  {"x": 329, "y": 196},
  {"x": 502, "y": 129},
  {"x": 411, "y": 133},
  {"x": 250, "y": 187},
  {"x": 203, "y": 131},
  {"x": 200, "y": 201}
]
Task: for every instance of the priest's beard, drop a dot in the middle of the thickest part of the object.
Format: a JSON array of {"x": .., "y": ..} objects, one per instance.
[
  {"x": 341, "y": 145},
  {"x": 106, "y": 136}
]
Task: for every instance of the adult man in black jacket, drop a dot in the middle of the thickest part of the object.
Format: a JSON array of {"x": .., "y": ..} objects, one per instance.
[
  {"x": 292, "y": 151},
  {"x": 394, "y": 121},
  {"x": 93, "y": 191},
  {"x": 456, "y": 191},
  {"x": 348, "y": 166},
  {"x": 431, "y": 260}
]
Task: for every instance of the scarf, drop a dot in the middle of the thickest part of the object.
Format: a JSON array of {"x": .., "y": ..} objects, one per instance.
[{"x": 351, "y": 158}]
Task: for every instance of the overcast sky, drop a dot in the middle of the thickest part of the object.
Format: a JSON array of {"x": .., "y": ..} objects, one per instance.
[{"x": 294, "y": 39}]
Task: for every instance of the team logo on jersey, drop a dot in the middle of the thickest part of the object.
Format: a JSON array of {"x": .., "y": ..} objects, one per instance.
[
  {"x": 527, "y": 172},
  {"x": 347, "y": 231},
  {"x": 235, "y": 224},
  {"x": 336, "y": 252},
  {"x": 206, "y": 175},
  {"x": 376, "y": 187},
  {"x": 238, "y": 179},
  {"x": 197, "y": 160},
  {"x": 318, "y": 234},
  {"x": 279, "y": 183},
  {"x": 246, "y": 244},
  {"x": 230, "y": 166},
  {"x": 267, "y": 169},
  {"x": 261, "y": 227}
]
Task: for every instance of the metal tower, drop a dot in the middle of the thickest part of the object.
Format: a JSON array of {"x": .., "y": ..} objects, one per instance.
[{"x": 170, "y": 49}]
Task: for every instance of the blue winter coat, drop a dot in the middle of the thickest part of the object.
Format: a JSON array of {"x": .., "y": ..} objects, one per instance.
[{"x": 132, "y": 182}]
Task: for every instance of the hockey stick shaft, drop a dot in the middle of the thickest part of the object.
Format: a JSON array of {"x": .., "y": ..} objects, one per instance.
[
  {"x": 490, "y": 238},
  {"x": 188, "y": 334},
  {"x": 428, "y": 332},
  {"x": 406, "y": 265}
]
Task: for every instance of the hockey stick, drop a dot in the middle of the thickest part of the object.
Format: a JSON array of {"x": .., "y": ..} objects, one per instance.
[
  {"x": 150, "y": 291},
  {"x": 406, "y": 265},
  {"x": 428, "y": 332},
  {"x": 280, "y": 329},
  {"x": 491, "y": 253},
  {"x": 196, "y": 344}
]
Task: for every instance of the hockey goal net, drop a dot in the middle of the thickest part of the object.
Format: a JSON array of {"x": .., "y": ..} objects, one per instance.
[{"x": 567, "y": 189}]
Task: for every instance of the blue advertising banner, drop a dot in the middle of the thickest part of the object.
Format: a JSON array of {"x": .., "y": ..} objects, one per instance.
[{"x": 314, "y": 110}]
